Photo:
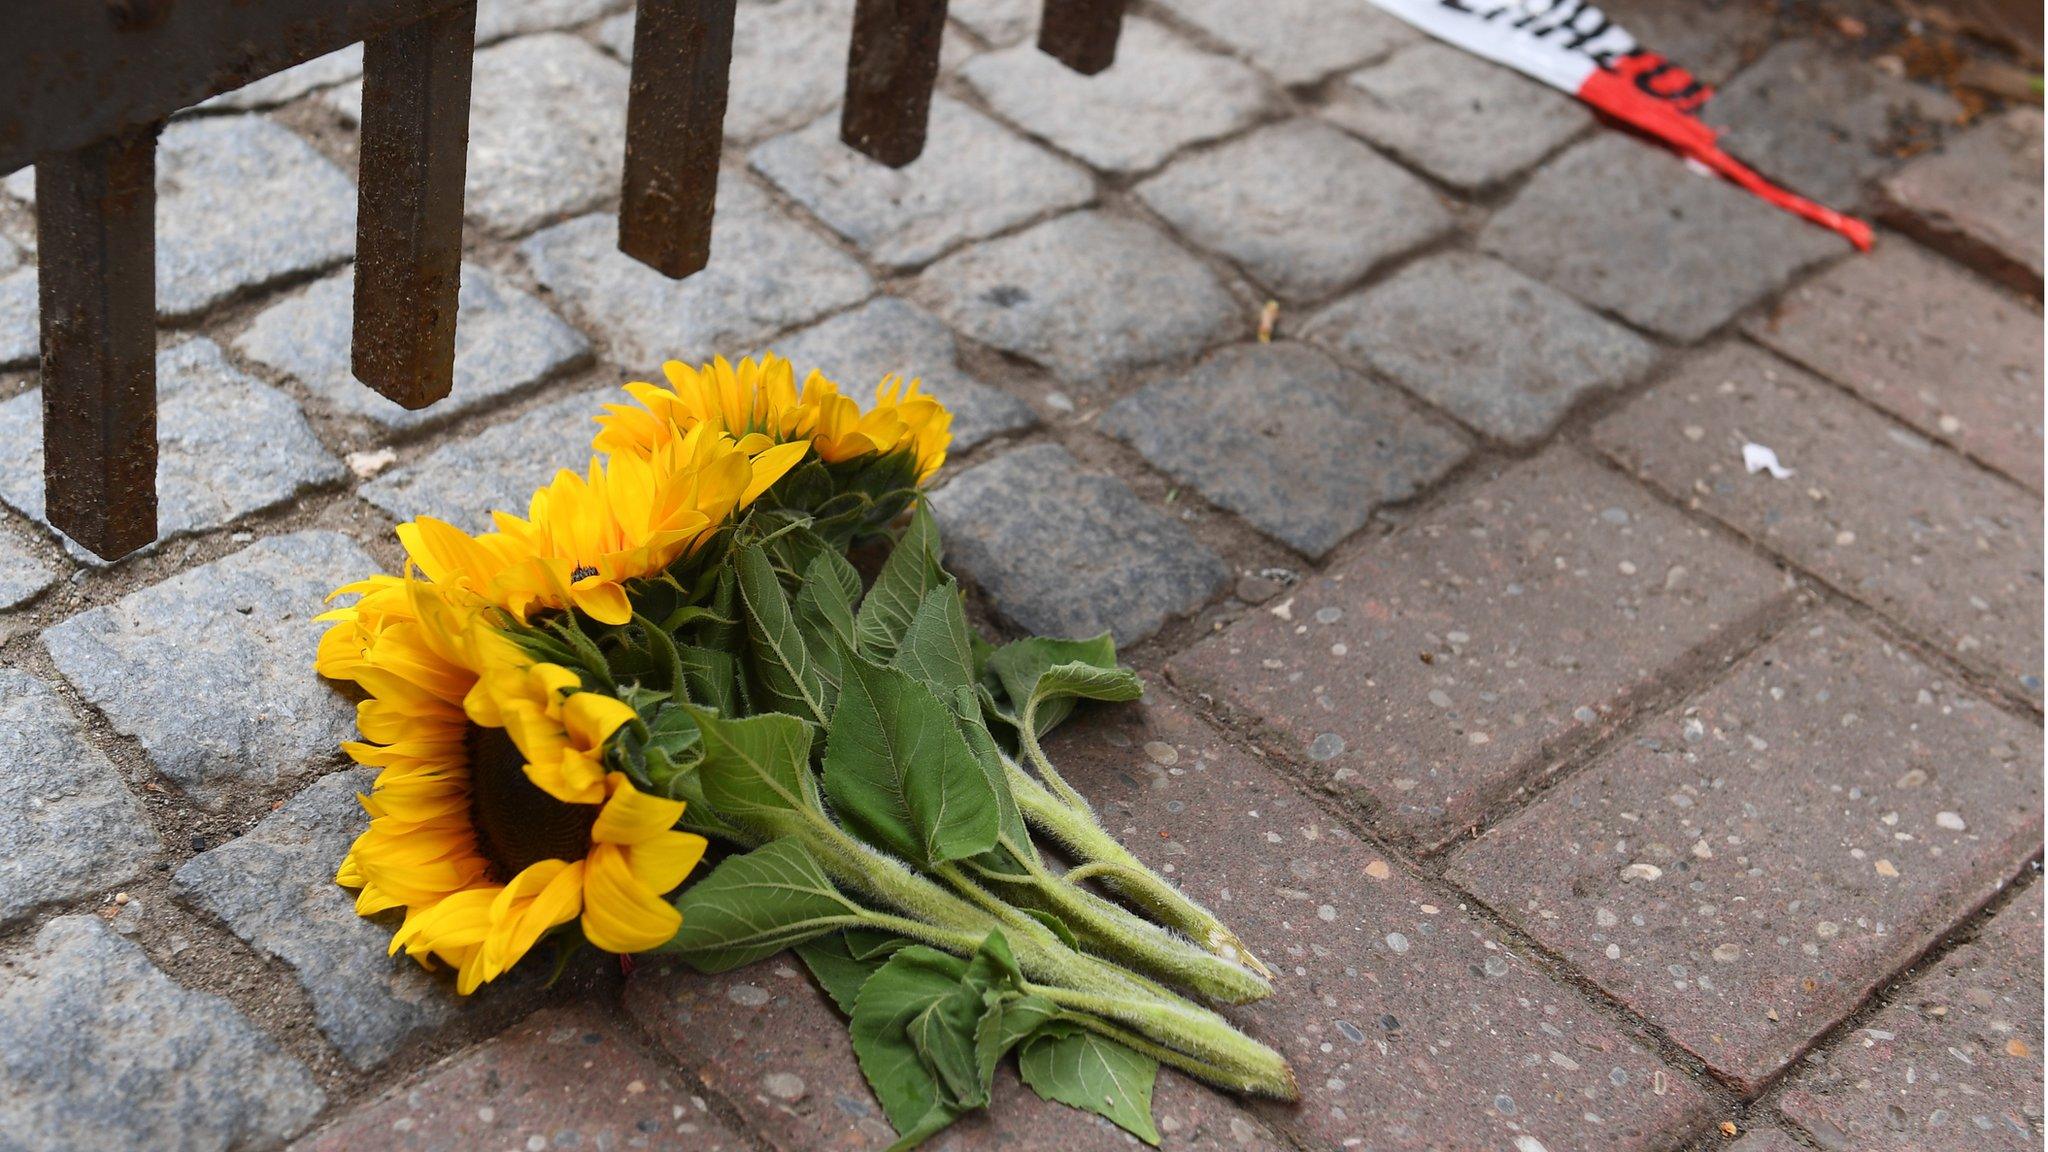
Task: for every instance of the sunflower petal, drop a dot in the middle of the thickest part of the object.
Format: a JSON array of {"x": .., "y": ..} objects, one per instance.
[
  {"x": 632, "y": 816},
  {"x": 618, "y": 914},
  {"x": 661, "y": 863}
]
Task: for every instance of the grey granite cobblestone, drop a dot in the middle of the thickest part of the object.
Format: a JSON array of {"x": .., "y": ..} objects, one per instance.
[
  {"x": 1298, "y": 41},
  {"x": 1062, "y": 551},
  {"x": 1632, "y": 229},
  {"x": 1468, "y": 122},
  {"x": 228, "y": 445},
  {"x": 498, "y": 19},
  {"x": 767, "y": 273},
  {"x": 243, "y": 202},
  {"x": 21, "y": 574},
  {"x": 337, "y": 67},
  {"x": 212, "y": 670},
  {"x": 466, "y": 479},
  {"x": 1161, "y": 96},
  {"x": 1340, "y": 210},
  {"x": 975, "y": 178},
  {"x": 1280, "y": 435},
  {"x": 1506, "y": 354},
  {"x": 788, "y": 62},
  {"x": 1087, "y": 295},
  {"x": 274, "y": 887},
  {"x": 547, "y": 131},
  {"x": 68, "y": 825},
  {"x": 1000, "y": 22},
  {"x": 504, "y": 340},
  {"x": 890, "y": 336},
  {"x": 100, "y": 1050},
  {"x": 20, "y": 339}
]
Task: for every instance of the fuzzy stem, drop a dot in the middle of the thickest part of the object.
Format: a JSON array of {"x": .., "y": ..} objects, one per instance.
[
  {"x": 1160, "y": 1052},
  {"x": 1088, "y": 983},
  {"x": 1027, "y": 742},
  {"x": 1216, "y": 1051},
  {"x": 1102, "y": 856},
  {"x": 1120, "y": 935},
  {"x": 945, "y": 939}
]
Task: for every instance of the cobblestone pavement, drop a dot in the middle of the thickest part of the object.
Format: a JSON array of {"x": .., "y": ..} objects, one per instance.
[{"x": 1590, "y": 792}]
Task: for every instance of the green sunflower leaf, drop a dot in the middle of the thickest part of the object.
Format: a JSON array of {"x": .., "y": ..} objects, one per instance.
[
  {"x": 792, "y": 548},
  {"x": 924, "y": 1035},
  {"x": 753, "y": 906},
  {"x": 935, "y": 647},
  {"x": 712, "y": 678},
  {"x": 1069, "y": 1064},
  {"x": 899, "y": 772},
  {"x": 1056, "y": 925},
  {"x": 842, "y": 962},
  {"x": 1044, "y": 677},
  {"x": 1010, "y": 1020},
  {"x": 1009, "y": 820},
  {"x": 756, "y": 772},
  {"x": 910, "y": 982},
  {"x": 725, "y": 629},
  {"x": 981, "y": 650},
  {"x": 825, "y": 602},
  {"x": 944, "y": 1035},
  {"x": 910, "y": 573},
  {"x": 698, "y": 815},
  {"x": 788, "y": 676}
]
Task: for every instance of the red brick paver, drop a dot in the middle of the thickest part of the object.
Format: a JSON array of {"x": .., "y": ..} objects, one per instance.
[
  {"x": 1409, "y": 1024},
  {"x": 1751, "y": 865},
  {"x": 766, "y": 1040},
  {"x": 1948, "y": 549},
  {"x": 1928, "y": 343},
  {"x": 1979, "y": 198},
  {"x": 1953, "y": 1062},
  {"x": 1436, "y": 670},
  {"x": 567, "y": 1078}
]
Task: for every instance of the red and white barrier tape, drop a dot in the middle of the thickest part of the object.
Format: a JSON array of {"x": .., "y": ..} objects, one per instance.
[{"x": 1573, "y": 46}]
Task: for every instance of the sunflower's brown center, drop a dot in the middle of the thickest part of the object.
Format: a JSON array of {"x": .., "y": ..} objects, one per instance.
[
  {"x": 517, "y": 824},
  {"x": 582, "y": 572}
]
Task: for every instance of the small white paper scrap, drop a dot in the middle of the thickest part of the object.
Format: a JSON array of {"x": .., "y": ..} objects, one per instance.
[{"x": 1758, "y": 458}]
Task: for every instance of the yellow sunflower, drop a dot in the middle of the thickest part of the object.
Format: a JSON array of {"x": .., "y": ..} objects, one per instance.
[
  {"x": 466, "y": 835},
  {"x": 758, "y": 403},
  {"x": 584, "y": 537}
]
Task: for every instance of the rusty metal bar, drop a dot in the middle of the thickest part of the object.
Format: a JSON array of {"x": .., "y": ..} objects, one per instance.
[
  {"x": 890, "y": 69},
  {"x": 1081, "y": 33},
  {"x": 96, "y": 251},
  {"x": 675, "y": 126},
  {"x": 73, "y": 73},
  {"x": 415, "y": 140}
]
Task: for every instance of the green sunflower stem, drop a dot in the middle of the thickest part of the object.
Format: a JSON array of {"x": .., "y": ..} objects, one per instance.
[
  {"x": 1113, "y": 931},
  {"x": 1103, "y": 858},
  {"x": 1171, "y": 1057},
  {"x": 1067, "y": 794},
  {"x": 1255, "y": 1074},
  {"x": 1200, "y": 1043},
  {"x": 1069, "y": 978}
]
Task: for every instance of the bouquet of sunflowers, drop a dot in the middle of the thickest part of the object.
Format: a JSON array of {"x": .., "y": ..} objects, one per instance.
[{"x": 674, "y": 648}]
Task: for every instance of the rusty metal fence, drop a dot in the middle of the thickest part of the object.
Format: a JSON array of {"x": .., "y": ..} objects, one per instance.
[{"x": 86, "y": 85}]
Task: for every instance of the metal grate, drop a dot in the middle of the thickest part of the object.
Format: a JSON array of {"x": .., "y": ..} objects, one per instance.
[{"x": 85, "y": 88}]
